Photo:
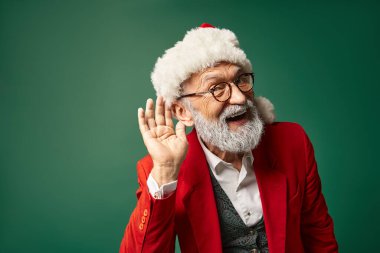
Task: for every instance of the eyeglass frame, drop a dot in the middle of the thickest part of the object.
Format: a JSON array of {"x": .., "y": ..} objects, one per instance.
[{"x": 229, "y": 84}]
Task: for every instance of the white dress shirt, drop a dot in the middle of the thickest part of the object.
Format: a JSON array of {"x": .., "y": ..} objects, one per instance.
[{"x": 240, "y": 186}]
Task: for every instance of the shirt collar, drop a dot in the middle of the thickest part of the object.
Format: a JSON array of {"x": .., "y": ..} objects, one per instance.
[{"x": 213, "y": 160}]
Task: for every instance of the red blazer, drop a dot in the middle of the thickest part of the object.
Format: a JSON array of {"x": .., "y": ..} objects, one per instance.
[{"x": 295, "y": 212}]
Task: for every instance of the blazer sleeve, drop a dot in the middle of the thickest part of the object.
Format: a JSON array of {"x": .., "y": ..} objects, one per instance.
[
  {"x": 317, "y": 229},
  {"x": 151, "y": 225}
]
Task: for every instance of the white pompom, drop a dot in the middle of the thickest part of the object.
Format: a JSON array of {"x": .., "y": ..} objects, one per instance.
[{"x": 265, "y": 109}]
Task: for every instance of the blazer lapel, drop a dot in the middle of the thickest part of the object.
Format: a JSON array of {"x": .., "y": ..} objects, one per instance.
[
  {"x": 199, "y": 198},
  {"x": 200, "y": 203},
  {"x": 272, "y": 188}
]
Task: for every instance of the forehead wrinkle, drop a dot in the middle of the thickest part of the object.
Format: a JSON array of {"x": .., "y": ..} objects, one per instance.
[
  {"x": 210, "y": 76},
  {"x": 203, "y": 78},
  {"x": 223, "y": 72}
]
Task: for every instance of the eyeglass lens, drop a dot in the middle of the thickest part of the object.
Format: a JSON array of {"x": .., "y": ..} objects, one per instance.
[{"x": 222, "y": 91}]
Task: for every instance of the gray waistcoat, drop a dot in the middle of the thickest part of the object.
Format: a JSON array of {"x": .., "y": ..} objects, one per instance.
[{"x": 236, "y": 236}]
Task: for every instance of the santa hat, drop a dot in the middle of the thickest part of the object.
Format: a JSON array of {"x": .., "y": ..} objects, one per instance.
[{"x": 202, "y": 47}]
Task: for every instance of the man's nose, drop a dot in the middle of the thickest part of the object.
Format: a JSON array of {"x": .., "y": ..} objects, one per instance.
[{"x": 237, "y": 96}]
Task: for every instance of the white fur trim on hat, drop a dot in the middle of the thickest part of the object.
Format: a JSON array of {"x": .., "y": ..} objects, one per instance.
[
  {"x": 265, "y": 109},
  {"x": 200, "y": 48}
]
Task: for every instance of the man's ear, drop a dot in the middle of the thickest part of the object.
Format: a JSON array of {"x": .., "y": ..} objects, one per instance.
[{"x": 181, "y": 113}]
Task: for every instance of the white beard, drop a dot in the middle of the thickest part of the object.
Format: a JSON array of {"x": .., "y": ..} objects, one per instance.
[{"x": 217, "y": 133}]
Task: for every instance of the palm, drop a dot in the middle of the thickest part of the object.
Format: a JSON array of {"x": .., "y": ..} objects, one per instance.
[
  {"x": 164, "y": 145},
  {"x": 167, "y": 146}
]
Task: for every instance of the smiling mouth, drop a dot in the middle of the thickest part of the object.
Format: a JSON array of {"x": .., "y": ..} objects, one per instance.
[{"x": 237, "y": 117}]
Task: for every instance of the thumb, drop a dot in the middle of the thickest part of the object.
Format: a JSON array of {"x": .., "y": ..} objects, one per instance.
[{"x": 180, "y": 130}]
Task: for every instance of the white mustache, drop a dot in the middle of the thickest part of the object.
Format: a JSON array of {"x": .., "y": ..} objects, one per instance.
[{"x": 234, "y": 110}]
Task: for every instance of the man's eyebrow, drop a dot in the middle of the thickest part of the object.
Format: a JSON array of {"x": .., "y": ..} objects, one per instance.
[
  {"x": 208, "y": 77},
  {"x": 205, "y": 78}
]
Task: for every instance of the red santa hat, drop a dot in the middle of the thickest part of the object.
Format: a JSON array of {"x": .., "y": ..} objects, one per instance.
[{"x": 202, "y": 47}]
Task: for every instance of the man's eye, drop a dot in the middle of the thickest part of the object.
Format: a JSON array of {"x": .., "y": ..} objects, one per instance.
[
  {"x": 219, "y": 87},
  {"x": 244, "y": 79}
]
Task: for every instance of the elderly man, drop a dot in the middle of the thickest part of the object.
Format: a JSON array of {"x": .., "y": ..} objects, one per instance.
[{"x": 238, "y": 182}]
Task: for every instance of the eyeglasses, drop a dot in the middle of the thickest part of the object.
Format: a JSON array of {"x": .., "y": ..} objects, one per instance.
[{"x": 222, "y": 91}]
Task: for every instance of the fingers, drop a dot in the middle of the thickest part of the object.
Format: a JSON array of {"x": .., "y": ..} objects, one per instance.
[
  {"x": 152, "y": 117},
  {"x": 143, "y": 126},
  {"x": 180, "y": 130},
  {"x": 149, "y": 113},
  {"x": 160, "y": 111},
  {"x": 168, "y": 117}
]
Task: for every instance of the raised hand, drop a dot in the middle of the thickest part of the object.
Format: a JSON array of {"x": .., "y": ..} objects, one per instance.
[{"x": 166, "y": 146}]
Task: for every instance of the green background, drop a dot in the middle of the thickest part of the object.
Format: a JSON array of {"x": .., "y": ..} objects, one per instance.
[{"x": 73, "y": 73}]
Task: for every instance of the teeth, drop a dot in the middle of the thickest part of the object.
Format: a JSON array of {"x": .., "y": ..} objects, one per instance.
[{"x": 237, "y": 114}]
